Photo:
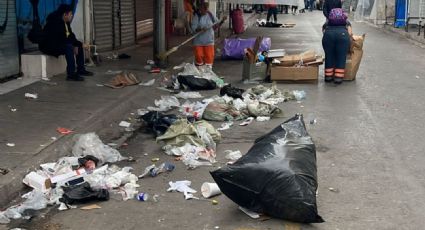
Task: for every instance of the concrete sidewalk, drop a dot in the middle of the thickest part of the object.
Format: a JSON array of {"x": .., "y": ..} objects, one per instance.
[{"x": 79, "y": 106}]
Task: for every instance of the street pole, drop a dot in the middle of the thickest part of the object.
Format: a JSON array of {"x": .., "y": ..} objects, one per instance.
[{"x": 159, "y": 40}]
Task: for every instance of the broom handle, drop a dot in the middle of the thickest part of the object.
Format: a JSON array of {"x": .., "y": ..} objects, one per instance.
[{"x": 198, "y": 33}]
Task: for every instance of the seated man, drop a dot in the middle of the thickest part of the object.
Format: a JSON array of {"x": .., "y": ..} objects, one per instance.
[{"x": 60, "y": 40}]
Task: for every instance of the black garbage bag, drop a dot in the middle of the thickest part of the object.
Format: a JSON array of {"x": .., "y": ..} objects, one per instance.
[
  {"x": 83, "y": 193},
  {"x": 196, "y": 83},
  {"x": 158, "y": 123},
  {"x": 231, "y": 91},
  {"x": 278, "y": 175}
]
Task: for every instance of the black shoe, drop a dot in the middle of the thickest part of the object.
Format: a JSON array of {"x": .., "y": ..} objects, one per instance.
[
  {"x": 74, "y": 77},
  {"x": 338, "y": 80},
  {"x": 329, "y": 79},
  {"x": 85, "y": 73}
]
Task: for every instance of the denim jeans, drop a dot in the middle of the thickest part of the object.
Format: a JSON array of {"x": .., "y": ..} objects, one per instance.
[{"x": 71, "y": 58}]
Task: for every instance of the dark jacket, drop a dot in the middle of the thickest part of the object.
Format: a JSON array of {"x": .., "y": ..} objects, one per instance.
[
  {"x": 55, "y": 39},
  {"x": 328, "y": 5}
]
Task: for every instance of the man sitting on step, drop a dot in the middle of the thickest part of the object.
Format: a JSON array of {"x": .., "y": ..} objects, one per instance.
[{"x": 60, "y": 40}]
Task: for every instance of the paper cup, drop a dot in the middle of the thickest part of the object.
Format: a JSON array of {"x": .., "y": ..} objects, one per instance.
[{"x": 210, "y": 189}]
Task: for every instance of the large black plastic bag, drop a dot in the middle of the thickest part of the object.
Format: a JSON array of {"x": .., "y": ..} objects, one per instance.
[
  {"x": 196, "y": 83},
  {"x": 158, "y": 123},
  {"x": 278, "y": 175},
  {"x": 83, "y": 193}
]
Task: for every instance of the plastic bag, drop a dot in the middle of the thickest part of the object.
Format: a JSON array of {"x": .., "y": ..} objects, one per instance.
[
  {"x": 231, "y": 91},
  {"x": 35, "y": 200},
  {"x": 278, "y": 175},
  {"x": 90, "y": 144},
  {"x": 130, "y": 191},
  {"x": 187, "y": 95},
  {"x": 234, "y": 47},
  {"x": 157, "y": 122},
  {"x": 196, "y": 83},
  {"x": 190, "y": 69},
  {"x": 83, "y": 193},
  {"x": 165, "y": 103}
]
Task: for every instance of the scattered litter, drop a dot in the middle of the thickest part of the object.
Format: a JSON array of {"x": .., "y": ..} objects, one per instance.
[
  {"x": 299, "y": 94},
  {"x": 155, "y": 70},
  {"x": 165, "y": 103},
  {"x": 147, "y": 67},
  {"x": 142, "y": 196},
  {"x": 11, "y": 144},
  {"x": 150, "y": 62},
  {"x": 145, "y": 154},
  {"x": 209, "y": 190},
  {"x": 113, "y": 72},
  {"x": 64, "y": 131},
  {"x": 154, "y": 171},
  {"x": 231, "y": 91},
  {"x": 182, "y": 186},
  {"x": 124, "y": 56},
  {"x": 247, "y": 121},
  {"x": 112, "y": 144},
  {"x": 225, "y": 126},
  {"x": 155, "y": 198},
  {"x": 90, "y": 207},
  {"x": 13, "y": 110},
  {"x": 54, "y": 138},
  {"x": 148, "y": 83},
  {"x": 124, "y": 124},
  {"x": 217, "y": 227},
  {"x": 83, "y": 193},
  {"x": 333, "y": 189},
  {"x": 233, "y": 155},
  {"x": 250, "y": 213},
  {"x": 188, "y": 95},
  {"x": 261, "y": 119},
  {"x": 99, "y": 85},
  {"x": 417, "y": 77},
  {"x": 90, "y": 144},
  {"x": 35, "y": 200},
  {"x": 122, "y": 80},
  {"x": 31, "y": 95},
  {"x": 313, "y": 121},
  {"x": 130, "y": 191},
  {"x": 142, "y": 112},
  {"x": 155, "y": 159},
  {"x": 214, "y": 202}
]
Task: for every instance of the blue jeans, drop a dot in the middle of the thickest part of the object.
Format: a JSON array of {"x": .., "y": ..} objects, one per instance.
[
  {"x": 71, "y": 58},
  {"x": 336, "y": 43}
]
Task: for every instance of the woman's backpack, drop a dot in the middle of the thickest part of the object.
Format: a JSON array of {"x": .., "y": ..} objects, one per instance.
[{"x": 337, "y": 17}]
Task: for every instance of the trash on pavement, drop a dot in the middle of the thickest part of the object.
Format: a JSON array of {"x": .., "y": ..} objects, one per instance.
[
  {"x": 124, "y": 124},
  {"x": 155, "y": 159},
  {"x": 188, "y": 95},
  {"x": 182, "y": 186},
  {"x": 142, "y": 112},
  {"x": 142, "y": 196},
  {"x": 154, "y": 171},
  {"x": 219, "y": 110},
  {"x": 90, "y": 144},
  {"x": 10, "y": 144},
  {"x": 278, "y": 175},
  {"x": 122, "y": 80},
  {"x": 165, "y": 103},
  {"x": 209, "y": 190},
  {"x": 261, "y": 119},
  {"x": 299, "y": 94},
  {"x": 35, "y": 200},
  {"x": 233, "y": 155},
  {"x": 195, "y": 110},
  {"x": 91, "y": 207},
  {"x": 130, "y": 190},
  {"x": 113, "y": 72},
  {"x": 250, "y": 213},
  {"x": 157, "y": 122},
  {"x": 196, "y": 83},
  {"x": 231, "y": 91},
  {"x": 248, "y": 121},
  {"x": 4, "y": 171},
  {"x": 37, "y": 181},
  {"x": 83, "y": 193},
  {"x": 148, "y": 83},
  {"x": 64, "y": 131},
  {"x": 31, "y": 95},
  {"x": 225, "y": 126}
]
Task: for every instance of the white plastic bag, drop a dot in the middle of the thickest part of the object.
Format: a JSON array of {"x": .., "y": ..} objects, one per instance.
[
  {"x": 165, "y": 103},
  {"x": 188, "y": 95}
]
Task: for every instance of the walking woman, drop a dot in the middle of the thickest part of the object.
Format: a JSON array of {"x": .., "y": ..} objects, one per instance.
[{"x": 336, "y": 44}]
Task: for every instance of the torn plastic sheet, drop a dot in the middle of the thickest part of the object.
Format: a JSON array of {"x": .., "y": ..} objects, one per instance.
[
  {"x": 35, "y": 200},
  {"x": 191, "y": 155},
  {"x": 188, "y": 95},
  {"x": 165, "y": 103},
  {"x": 90, "y": 144},
  {"x": 225, "y": 126},
  {"x": 183, "y": 187}
]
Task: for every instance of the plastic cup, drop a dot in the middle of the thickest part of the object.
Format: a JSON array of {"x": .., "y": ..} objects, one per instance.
[{"x": 210, "y": 189}]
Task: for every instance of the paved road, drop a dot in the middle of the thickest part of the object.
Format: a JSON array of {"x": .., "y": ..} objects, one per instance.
[{"x": 369, "y": 137}]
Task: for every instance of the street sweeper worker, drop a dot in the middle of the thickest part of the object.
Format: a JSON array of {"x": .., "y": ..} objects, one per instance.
[{"x": 203, "y": 44}]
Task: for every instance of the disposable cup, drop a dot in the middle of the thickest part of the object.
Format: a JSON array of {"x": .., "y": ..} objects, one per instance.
[{"x": 210, "y": 189}]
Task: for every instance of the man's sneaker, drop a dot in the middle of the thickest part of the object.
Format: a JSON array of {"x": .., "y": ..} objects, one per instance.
[
  {"x": 338, "y": 80},
  {"x": 329, "y": 79},
  {"x": 85, "y": 73},
  {"x": 74, "y": 77}
]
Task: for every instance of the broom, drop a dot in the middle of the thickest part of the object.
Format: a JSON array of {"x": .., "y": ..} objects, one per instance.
[{"x": 165, "y": 54}]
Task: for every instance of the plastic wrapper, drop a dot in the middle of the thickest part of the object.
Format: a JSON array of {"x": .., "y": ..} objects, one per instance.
[
  {"x": 234, "y": 47},
  {"x": 90, "y": 144},
  {"x": 83, "y": 193},
  {"x": 278, "y": 175}
]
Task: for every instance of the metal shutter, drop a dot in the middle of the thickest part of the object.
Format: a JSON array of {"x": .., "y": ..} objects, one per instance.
[
  {"x": 144, "y": 17},
  {"x": 116, "y": 24},
  {"x": 9, "y": 52},
  {"x": 103, "y": 24},
  {"x": 127, "y": 22}
]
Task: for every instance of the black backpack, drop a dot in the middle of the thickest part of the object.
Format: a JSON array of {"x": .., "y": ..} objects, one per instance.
[{"x": 36, "y": 34}]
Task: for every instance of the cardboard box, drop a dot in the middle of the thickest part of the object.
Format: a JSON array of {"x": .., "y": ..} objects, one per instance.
[
  {"x": 291, "y": 60},
  {"x": 303, "y": 73},
  {"x": 254, "y": 72}
]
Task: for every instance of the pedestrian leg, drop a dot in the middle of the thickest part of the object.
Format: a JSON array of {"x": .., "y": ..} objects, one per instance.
[{"x": 70, "y": 59}]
